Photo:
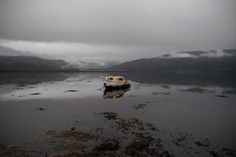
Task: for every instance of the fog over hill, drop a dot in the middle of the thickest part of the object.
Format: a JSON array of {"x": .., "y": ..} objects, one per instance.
[
  {"x": 29, "y": 63},
  {"x": 182, "y": 62},
  {"x": 194, "y": 54},
  {"x": 78, "y": 64},
  {"x": 177, "y": 62}
]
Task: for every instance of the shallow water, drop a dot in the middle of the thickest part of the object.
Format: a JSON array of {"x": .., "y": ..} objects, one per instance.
[{"x": 32, "y": 104}]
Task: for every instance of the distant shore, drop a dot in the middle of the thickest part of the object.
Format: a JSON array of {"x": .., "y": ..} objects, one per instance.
[{"x": 53, "y": 71}]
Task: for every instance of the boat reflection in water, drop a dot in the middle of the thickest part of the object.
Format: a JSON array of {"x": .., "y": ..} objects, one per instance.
[{"x": 114, "y": 93}]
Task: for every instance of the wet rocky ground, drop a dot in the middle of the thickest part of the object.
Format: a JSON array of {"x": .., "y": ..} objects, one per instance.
[{"x": 120, "y": 137}]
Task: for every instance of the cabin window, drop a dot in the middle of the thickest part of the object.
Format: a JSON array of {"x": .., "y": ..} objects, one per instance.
[
  {"x": 120, "y": 79},
  {"x": 110, "y": 78}
]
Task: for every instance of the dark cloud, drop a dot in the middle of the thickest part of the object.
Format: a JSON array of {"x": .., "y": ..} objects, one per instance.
[{"x": 137, "y": 27}]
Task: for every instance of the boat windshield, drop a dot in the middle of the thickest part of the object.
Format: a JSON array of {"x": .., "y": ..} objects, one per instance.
[
  {"x": 120, "y": 79},
  {"x": 109, "y": 78}
]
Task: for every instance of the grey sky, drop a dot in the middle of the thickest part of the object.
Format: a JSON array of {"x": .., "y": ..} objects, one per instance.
[{"x": 105, "y": 30}]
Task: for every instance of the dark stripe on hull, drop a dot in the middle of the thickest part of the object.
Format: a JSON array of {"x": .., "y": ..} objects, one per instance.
[{"x": 116, "y": 87}]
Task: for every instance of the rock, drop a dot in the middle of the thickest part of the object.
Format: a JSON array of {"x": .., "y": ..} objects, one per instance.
[
  {"x": 51, "y": 132},
  {"x": 136, "y": 146},
  {"x": 214, "y": 153},
  {"x": 41, "y": 109},
  {"x": 166, "y": 154},
  {"x": 141, "y": 147},
  {"x": 76, "y": 121},
  {"x": 180, "y": 137},
  {"x": 110, "y": 115},
  {"x": 140, "y": 106},
  {"x": 151, "y": 127},
  {"x": 222, "y": 96},
  {"x": 228, "y": 152},
  {"x": 204, "y": 142},
  {"x": 233, "y": 154},
  {"x": 17, "y": 151},
  {"x": 142, "y": 128},
  {"x": 195, "y": 89},
  {"x": 108, "y": 145},
  {"x": 135, "y": 121},
  {"x": 21, "y": 85},
  {"x": 34, "y": 94},
  {"x": 71, "y": 135},
  {"x": 163, "y": 93},
  {"x": 71, "y": 90},
  {"x": 73, "y": 128},
  {"x": 225, "y": 149},
  {"x": 99, "y": 130},
  {"x": 124, "y": 125},
  {"x": 85, "y": 154}
]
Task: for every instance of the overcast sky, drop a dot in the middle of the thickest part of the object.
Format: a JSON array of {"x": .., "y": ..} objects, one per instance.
[{"x": 115, "y": 30}]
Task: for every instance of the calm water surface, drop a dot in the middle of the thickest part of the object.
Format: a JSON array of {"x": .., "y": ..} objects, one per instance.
[{"x": 198, "y": 108}]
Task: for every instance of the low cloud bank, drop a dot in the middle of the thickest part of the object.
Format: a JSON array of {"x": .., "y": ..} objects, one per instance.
[{"x": 195, "y": 54}]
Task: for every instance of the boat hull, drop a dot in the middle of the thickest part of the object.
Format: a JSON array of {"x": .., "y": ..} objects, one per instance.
[
  {"x": 114, "y": 86},
  {"x": 114, "y": 93}
]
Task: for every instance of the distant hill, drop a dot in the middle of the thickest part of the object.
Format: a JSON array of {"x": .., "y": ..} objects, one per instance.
[
  {"x": 184, "y": 62},
  {"x": 29, "y": 63},
  {"x": 6, "y": 51}
]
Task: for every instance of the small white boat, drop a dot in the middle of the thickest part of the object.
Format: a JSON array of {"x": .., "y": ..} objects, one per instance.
[{"x": 116, "y": 82}]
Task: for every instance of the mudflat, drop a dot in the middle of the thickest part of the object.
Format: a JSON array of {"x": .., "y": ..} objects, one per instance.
[{"x": 71, "y": 114}]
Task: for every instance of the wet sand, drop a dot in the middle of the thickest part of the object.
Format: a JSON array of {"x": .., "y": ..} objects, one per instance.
[{"x": 70, "y": 117}]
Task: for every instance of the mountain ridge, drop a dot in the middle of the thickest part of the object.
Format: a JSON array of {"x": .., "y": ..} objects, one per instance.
[
  {"x": 184, "y": 64},
  {"x": 30, "y": 63}
]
